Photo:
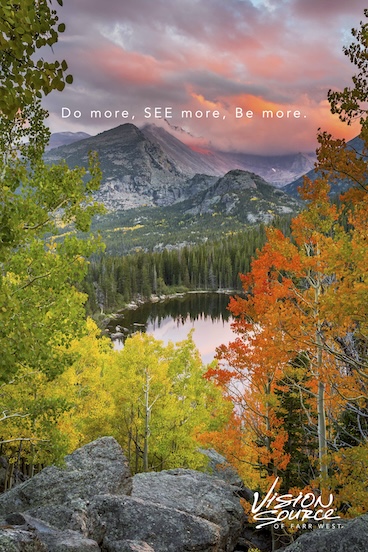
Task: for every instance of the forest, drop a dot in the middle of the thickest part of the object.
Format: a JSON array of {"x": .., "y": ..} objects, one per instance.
[
  {"x": 287, "y": 399},
  {"x": 113, "y": 281}
]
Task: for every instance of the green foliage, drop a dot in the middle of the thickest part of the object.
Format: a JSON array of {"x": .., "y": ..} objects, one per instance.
[
  {"x": 25, "y": 27},
  {"x": 32, "y": 435},
  {"x": 41, "y": 309},
  {"x": 351, "y": 102},
  {"x": 299, "y": 418},
  {"x": 152, "y": 398},
  {"x": 164, "y": 403}
]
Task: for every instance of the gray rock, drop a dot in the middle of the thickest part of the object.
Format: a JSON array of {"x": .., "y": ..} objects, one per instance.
[
  {"x": 15, "y": 519},
  {"x": 69, "y": 541},
  {"x": 220, "y": 467},
  {"x": 97, "y": 468},
  {"x": 198, "y": 494},
  {"x": 127, "y": 546},
  {"x": 85, "y": 507},
  {"x": 351, "y": 537},
  {"x": 35, "y": 535},
  {"x": 72, "y": 516},
  {"x": 15, "y": 539},
  {"x": 60, "y": 541},
  {"x": 117, "y": 518}
]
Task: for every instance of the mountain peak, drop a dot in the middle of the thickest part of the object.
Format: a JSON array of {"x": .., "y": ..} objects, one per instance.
[
  {"x": 238, "y": 180},
  {"x": 125, "y": 131}
]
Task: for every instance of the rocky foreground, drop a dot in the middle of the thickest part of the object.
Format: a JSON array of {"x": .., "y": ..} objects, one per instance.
[{"x": 93, "y": 504}]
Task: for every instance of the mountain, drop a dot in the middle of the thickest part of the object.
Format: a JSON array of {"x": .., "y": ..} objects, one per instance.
[
  {"x": 243, "y": 195},
  {"x": 58, "y": 139},
  {"x": 276, "y": 169},
  {"x": 136, "y": 170},
  {"x": 156, "y": 191},
  {"x": 187, "y": 160},
  {"x": 218, "y": 206},
  {"x": 150, "y": 166},
  {"x": 338, "y": 187}
]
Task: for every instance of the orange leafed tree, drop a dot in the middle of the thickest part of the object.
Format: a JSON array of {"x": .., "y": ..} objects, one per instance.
[{"x": 303, "y": 295}]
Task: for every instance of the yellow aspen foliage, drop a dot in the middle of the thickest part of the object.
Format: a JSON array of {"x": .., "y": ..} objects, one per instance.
[
  {"x": 152, "y": 398},
  {"x": 83, "y": 385},
  {"x": 162, "y": 403}
]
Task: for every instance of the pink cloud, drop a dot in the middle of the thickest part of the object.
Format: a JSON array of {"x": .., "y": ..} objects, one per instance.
[
  {"x": 140, "y": 53},
  {"x": 116, "y": 64}
]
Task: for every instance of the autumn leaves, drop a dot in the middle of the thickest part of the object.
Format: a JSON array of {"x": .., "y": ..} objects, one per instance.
[{"x": 302, "y": 336}]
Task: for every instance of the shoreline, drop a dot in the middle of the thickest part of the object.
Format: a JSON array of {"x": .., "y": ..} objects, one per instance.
[{"x": 154, "y": 298}]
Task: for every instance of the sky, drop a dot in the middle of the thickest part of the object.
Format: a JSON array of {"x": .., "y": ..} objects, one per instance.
[{"x": 207, "y": 58}]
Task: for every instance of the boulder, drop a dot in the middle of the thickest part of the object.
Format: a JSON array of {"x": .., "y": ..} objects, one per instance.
[
  {"x": 72, "y": 516},
  {"x": 197, "y": 494},
  {"x": 220, "y": 467},
  {"x": 347, "y": 536},
  {"x": 86, "y": 506},
  {"x": 117, "y": 518},
  {"x": 33, "y": 535},
  {"x": 97, "y": 468},
  {"x": 14, "y": 539}
]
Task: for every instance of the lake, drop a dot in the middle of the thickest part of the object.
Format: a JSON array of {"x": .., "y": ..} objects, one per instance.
[{"x": 172, "y": 319}]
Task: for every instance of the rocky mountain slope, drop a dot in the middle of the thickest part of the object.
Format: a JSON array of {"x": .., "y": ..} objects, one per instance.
[
  {"x": 152, "y": 167},
  {"x": 187, "y": 160},
  {"x": 242, "y": 194},
  {"x": 135, "y": 170},
  {"x": 216, "y": 206}
]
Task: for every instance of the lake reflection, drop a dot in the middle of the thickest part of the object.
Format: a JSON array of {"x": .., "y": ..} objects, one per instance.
[{"x": 172, "y": 319}]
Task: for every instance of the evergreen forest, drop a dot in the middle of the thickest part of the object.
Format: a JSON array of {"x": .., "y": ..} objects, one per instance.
[{"x": 113, "y": 281}]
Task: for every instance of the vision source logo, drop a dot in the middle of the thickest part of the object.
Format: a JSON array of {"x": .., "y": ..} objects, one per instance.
[{"x": 299, "y": 511}]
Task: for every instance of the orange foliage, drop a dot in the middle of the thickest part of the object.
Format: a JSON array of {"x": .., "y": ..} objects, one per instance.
[{"x": 302, "y": 295}]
